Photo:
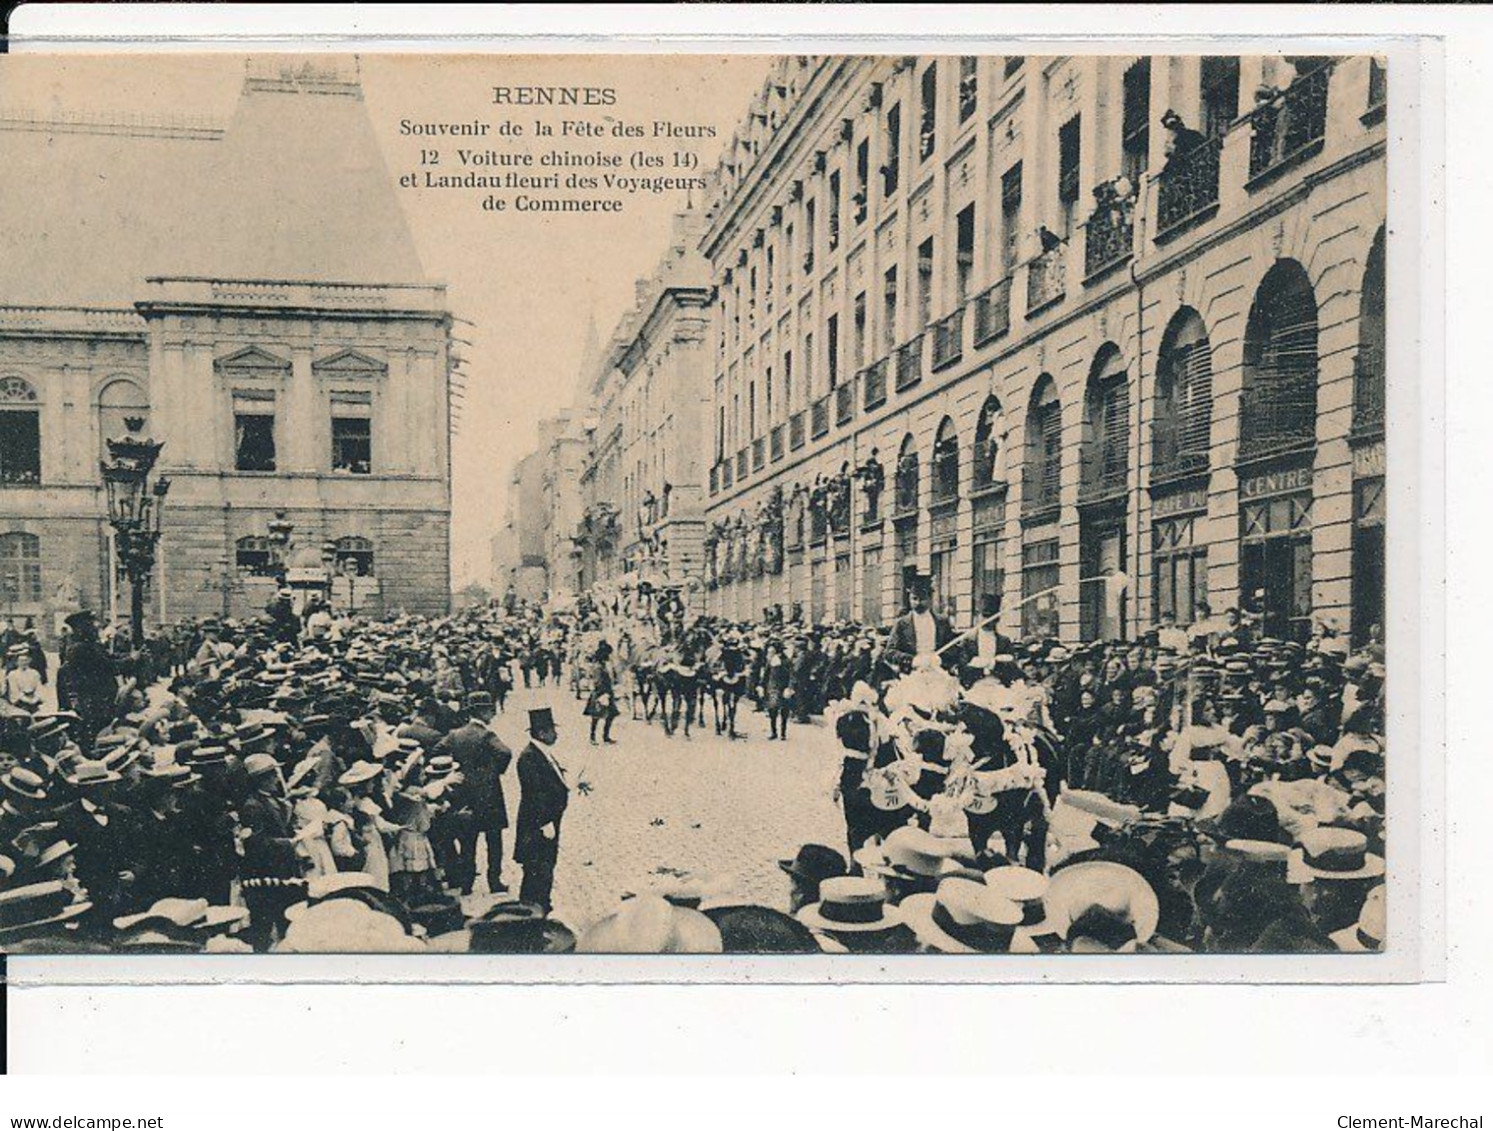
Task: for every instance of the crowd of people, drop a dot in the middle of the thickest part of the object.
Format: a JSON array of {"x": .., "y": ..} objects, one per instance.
[{"x": 313, "y": 781}]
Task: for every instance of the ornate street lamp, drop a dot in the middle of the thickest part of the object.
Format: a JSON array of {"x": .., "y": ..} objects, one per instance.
[{"x": 135, "y": 507}]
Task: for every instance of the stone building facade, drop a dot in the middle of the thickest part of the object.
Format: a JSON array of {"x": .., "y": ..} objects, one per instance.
[
  {"x": 1095, "y": 339},
  {"x": 280, "y": 339},
  {"x": 644, "y": 483}
]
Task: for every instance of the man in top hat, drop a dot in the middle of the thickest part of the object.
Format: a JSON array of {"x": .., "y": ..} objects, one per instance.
[
  {"x": 543, "y": 795},
  {"x": 478, "y": 807},
  {"x": 920, "y": 631}
]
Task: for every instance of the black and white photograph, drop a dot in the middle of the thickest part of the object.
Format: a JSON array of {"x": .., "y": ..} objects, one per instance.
[{"x": 736, "y": 504}]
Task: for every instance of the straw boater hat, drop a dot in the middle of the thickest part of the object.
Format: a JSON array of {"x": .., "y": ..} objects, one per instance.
[
  {"x": 962, "y": 917},
  {"x": 33, "y": 906},
  {"x": 360, "y": 771},
  {"x": 90, "y": 774},
  {"x": 850, "y": 905},
  {"x": 23, "y": 783},
  {"x": 172, "y": 911},
  {"x": 1329, "y": 853},
  {"x": 912, "y": 853},
  {"x": 1027, "y": 889},
  {"x": 1369, "y": 933},
  {"x": 650, "y": 924},
  {"x": 1103, "y": 889}
]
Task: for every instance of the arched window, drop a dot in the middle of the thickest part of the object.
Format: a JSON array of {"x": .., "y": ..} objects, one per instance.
[
  {"x": 1368, "y": 372},
  {"x": 1043, "y": 473},
  {"x": 986, "y": 471},
  {"x": 20, "y": 568},
  {"x": 20, "y": 432},
  {"x": 946, "y": 464},
  {"x": 1184, "y": 398},
  {"x": 354, "y": 556},
  {"x": 254, "y": 557},
  {"x": 1106, "y": 425},
  {"x": 907, "y": 477},
  {"x": 1278, "y": 406},
  {"x": 118, "y": 401}
]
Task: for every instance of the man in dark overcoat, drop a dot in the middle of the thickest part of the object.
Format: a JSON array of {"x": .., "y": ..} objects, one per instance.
[
  {"x": 543, "y": 795},
  {"x": 479, "y": 808}
]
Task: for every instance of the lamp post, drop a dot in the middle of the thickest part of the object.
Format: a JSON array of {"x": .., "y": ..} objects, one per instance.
[
  {"x": 135, "y": 507},
  {"x": 280, "y": 529}
]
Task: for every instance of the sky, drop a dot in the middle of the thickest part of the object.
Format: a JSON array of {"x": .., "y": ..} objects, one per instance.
[{"x": 524, "y": 286}]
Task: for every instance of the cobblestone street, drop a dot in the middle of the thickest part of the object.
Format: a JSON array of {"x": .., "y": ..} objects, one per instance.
[{"x": 660, "y": 804}]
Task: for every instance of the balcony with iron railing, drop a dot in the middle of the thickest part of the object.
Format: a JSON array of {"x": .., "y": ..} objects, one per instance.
[
  {"x": 909, "y": 363},
  {"x": 715, "y": 479},
  {"x": 1289, "y": 127},
  {"x": 1046, "y": 279},
  {"x": 1275, "y": 420},
  {"x": 1368, "y": 395},
  {"x": 873, "y": 385},
  {"x": 1104, "y": 467},
  {"x": 727, "y": 478},
  {"x": 948, "y": 340},
  {"x": 993, "y": 313},
  {"x": 778, "y": 447},
  {"x": 797, "y": 435},
  {"x": 1108, "y": 237},
  {"x": 1041, "y": 491},
  {"x": 1178, "y": 463},
  {"x": 1187, "y": 189},
  {"x": 741, "y": 462},
  {"x": 759, "y": 453},
  {"x": 844, "y": 403},
  {"x": 819, "y": 418}
]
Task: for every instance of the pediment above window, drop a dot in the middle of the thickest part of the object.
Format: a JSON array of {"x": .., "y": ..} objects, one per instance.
[
  {"x": 350, "y": 363},
  {"x": 253, "y": 360}
]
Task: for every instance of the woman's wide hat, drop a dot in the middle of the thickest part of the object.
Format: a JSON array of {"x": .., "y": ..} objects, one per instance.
[{"x": 962, "y": 917}]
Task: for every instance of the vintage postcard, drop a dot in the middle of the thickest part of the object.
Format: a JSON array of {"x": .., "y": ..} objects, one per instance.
[{"x": 694, "y": 504}]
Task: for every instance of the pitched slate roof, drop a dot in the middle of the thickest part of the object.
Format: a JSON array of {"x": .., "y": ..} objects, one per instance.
[{"x": 295, "y": 188}]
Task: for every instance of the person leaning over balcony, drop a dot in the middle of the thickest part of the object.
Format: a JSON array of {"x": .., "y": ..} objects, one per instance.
[{"x": 1181, "y": 140}]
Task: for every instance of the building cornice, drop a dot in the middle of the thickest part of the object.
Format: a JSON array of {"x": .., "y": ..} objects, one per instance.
[{"x": 836, "y": 76}]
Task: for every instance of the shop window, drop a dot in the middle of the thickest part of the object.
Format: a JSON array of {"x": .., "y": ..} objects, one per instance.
[
  {"x": 1039, "y": 589},
  {"x": 1179, "y": 570}
]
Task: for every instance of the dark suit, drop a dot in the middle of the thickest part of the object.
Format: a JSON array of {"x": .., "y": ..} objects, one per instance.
[
  {"x": 478, "y": 806},
  {"x": 902, "y": 645},
  {"x": 543, "y": 796}
]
